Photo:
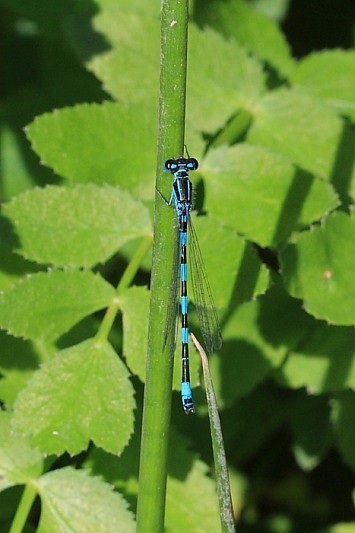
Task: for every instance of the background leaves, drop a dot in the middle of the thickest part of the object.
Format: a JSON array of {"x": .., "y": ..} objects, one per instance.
[
  {"x": 77, "y": 226},
  {"x": 274, "y": 192},
  {"x": 70, "y": 496}
]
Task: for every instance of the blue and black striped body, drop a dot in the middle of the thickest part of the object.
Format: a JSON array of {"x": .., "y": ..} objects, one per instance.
[{"x": 181, "y": 196}]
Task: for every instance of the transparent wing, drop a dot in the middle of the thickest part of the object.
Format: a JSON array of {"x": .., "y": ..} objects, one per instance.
[
  {"x": 172, "y": 312},
  {"x": 205, "y": 308}
]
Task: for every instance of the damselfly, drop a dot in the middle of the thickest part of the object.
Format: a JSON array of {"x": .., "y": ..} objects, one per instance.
[{"x": 181, "y": 197}]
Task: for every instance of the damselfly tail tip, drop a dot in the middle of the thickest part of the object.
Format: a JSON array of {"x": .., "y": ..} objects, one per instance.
[
  {"x": 189, "y": 408},
  {"x": 186, "y": 397}
]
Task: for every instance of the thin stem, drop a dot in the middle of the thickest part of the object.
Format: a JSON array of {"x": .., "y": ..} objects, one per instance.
[
  {"x": 125, "y": 281},
  {"x": 134, "y": 264},
  {"x": 158, "y": 386},
  {"x": 219, "y": 454},
  {"x": 27, "y": 499}
]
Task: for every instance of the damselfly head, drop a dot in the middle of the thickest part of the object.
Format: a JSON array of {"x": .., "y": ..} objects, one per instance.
[{"x": 181, "y": 163}]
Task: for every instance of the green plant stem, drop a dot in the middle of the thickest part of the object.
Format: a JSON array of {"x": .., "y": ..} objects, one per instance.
[
  {"x": 235, "y": 129},
  {"x": 125, "y": 281},
  {"x": 219, "y": 455},
  {"x": 27, "y": 499},
  {"x": 158, "y": 385},
  {"x": 134, "y": 264}
]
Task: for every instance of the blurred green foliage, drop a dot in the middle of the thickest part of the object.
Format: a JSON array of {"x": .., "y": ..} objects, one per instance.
[{"x": 271, "y": 99}]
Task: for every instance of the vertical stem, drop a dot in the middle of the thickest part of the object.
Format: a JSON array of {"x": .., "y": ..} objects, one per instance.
[
  {"x": 219, "y": 454},
  {"x": 28, "y": 496},
  {"x": 125, "y": 281},
  {"x": 157, "y": 396}
]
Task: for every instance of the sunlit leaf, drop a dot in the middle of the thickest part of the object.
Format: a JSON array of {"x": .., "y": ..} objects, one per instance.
[
  {"x": 47, "y": 304},
  {"x": 319, "y": 268},
  {"x": 76, "y": 226},
  {"x": 82, "y": 394},
  {"x": 74, "y": 502},
  {"x": 19, "y": 462},
  {"x": 98, "y": 144}
]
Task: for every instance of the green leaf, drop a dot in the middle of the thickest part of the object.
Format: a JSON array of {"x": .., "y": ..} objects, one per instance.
[
  {"x": 15, "y": 175},
  {"x": 338, "y": 90},
  {"x": 261, "y": 194},
  {"x": 310, "y": 424},
  {"x": 301, "y": 127},
  {"x": 316, "y": 364},
  {"x": 74, "y": 502},
  {"x": 12, "y": 266},
  {"x": 121, "y": 471},
  {"x": 275, "y": 10},
  {"x": 17, "y": 353},
  {"x": 257, "y": 33},
  {"x": 11, "y": 384},
  {"x": 98, "y": 144},
  {"x": 135, "y": 310},
  {"x": 319, "y": 267},
  {"x": 19, "y": 463},
  {"x": 191, "y": 500},
  {"x": 76, "y": 226},
  {"x": 83, "y": 394},
  {"x": 251, "y": 430},
  {"x": 139, "y": 6},
  {"x": 18, "y": 360},
  {"x": 225, "y": 90},
  {"x": 49, "y": 16},
  {"x": 245, "y": 276},
  {"x": 129, "y": 69},
  {"x": 187, "y": 494},
  {"x": 346, "y": 527},
  {"x": 47, "y": 304},
  {"x": 343, "y": 412},
  {"x": 256, "y": 339}
]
